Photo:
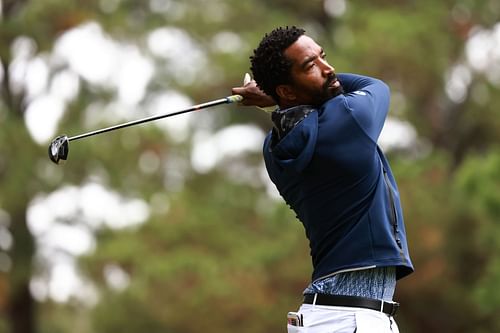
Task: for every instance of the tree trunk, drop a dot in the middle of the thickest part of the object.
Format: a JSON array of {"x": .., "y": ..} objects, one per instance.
[
  {"x": 21, "y": 310},
  {"x": 21, "y": 306}
]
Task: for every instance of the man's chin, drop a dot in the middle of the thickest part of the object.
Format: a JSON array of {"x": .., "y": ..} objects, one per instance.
[
  {"x": 328, "y": 94},
  {"x": 338, "y": 91},
  {"x": 335, "y": 91}
]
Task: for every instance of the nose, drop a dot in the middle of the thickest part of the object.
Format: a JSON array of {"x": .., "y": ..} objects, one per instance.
[{"x": 326, "y": 67}]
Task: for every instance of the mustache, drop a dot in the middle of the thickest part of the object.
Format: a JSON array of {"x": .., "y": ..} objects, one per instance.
[{"x": 330, "y": 79}]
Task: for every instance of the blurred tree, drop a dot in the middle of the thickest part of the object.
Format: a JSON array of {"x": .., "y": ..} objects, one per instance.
[
  {"x": 216, "y": 252},
  {"x": 18, "y": 153},
  {"x": 419, "y": 49}
]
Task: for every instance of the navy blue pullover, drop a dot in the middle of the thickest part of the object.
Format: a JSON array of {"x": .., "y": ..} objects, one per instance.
[{"x": 331, "y": 172}]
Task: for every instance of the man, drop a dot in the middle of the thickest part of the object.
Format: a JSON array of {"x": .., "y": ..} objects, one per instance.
[{"x": 323, "y": 157}]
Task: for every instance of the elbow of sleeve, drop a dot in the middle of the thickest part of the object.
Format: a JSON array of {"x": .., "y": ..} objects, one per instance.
[{"x": 385, "y": 86}]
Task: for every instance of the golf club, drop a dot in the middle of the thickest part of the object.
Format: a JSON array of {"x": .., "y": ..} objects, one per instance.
[{"x": 59, "y": 147}]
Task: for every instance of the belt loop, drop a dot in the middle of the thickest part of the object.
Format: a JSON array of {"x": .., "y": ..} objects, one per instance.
[
  {"x": 314, "y": 300},
  {"x": 382, "y": 306}
]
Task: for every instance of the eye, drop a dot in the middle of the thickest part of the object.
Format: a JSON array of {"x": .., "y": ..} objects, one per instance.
[{"x": 323, "y": 55}]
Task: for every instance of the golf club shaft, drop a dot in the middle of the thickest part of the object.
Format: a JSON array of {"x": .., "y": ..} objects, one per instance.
[{"x": 225, "y": 100}]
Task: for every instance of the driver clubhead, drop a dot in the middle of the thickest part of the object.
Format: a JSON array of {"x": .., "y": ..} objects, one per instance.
[{"x": 58, "y": 149}]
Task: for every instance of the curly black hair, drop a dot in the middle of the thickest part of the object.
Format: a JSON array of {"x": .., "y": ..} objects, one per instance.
[{"x": 269, "y": 65}]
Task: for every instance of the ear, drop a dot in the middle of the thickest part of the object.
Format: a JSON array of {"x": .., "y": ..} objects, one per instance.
[{"x": 286, "y": 92}]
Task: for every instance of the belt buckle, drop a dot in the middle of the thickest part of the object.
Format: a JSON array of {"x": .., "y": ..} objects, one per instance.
[{"x": 395, "y": 307}]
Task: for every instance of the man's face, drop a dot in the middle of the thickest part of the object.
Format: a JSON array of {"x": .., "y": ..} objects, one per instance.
[{"x": 313, "y": 79}]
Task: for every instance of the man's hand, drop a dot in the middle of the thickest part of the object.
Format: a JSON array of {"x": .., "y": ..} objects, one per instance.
[{"x": 253, "y": 96}]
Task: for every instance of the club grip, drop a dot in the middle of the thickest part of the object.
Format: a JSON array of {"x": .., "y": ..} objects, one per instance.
[{"x": 234, "y": 98}]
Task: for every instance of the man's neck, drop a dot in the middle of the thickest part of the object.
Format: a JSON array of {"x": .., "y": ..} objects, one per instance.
[{"x": 287, "y": 105}]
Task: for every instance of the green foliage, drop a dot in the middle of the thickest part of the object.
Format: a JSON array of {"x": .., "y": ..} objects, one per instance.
[
  {"x": 210, "y": 262},
  {"x": 219, "y": 254},
  {"x": 478, "y": 188}
]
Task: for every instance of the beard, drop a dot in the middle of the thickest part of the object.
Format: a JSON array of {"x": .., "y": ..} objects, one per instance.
[{"x": 328, "y": 91}]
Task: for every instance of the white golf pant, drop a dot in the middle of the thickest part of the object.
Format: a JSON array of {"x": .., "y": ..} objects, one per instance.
[{"x": 338, "y": 319}]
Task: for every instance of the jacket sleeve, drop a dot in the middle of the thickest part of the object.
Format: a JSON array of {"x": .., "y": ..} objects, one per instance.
[{"x": 368, "y": 101}]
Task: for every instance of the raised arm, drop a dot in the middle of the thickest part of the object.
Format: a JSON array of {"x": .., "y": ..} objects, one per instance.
[
  {"x": 368, "y": 100},
  {"x": 354, "y": 82}
]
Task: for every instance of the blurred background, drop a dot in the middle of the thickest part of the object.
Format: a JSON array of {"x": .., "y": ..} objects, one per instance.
[{"x": 173, "y": 226}]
